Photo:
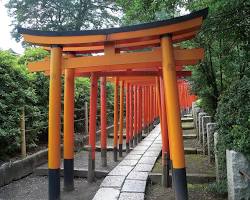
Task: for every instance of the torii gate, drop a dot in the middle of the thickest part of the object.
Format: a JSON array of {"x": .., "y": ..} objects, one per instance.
[{"x": 70, "y": 56}]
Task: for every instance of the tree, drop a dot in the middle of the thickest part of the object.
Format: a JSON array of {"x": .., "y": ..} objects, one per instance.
[
  {"x": 16, "y": 92},
  {"x": 62, "y": 15},
  {"x": 138, "y": 11}
]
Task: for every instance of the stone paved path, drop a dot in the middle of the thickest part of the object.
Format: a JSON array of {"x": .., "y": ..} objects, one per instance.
[{"x": 127, "y": 181}]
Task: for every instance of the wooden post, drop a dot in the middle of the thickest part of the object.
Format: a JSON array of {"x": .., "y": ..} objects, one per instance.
[
  {"x": 54, "y": 145},
  {"x": 127, "y": 116},
  {"x": 86, "y": 117},
  {"x": 115, "y": 118},
  {"x": 121, "y": 118},
  {"x": 68, "y": 135},
  {"x": 103, "y": 123},
  {"x": 131, "y": 114},
  {"x": 22, "y": 129},
  {"x": 92, "y": 127},
  {"x": 164, "y": 134},
  {"x": 135, "y": 115},
  {"x": 174, "y": 121}
]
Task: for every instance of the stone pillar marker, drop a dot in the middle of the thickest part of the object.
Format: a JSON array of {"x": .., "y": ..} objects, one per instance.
[
  {"x": 210, "y": 139},
  {"x": 204, "y": 121},
  {"x": 216, "y": 135},
  {"x": 200, "y": 115},
  {"x": 238, "y": 184}
]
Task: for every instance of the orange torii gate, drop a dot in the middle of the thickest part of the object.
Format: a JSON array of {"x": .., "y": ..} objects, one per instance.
[{"x": 70, "y": 55}]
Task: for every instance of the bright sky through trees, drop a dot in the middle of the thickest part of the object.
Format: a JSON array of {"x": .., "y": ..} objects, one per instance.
[{"x": 6, "y": 41}]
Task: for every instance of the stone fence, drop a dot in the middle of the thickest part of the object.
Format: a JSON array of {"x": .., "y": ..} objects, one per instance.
[
  {"x": 238, "y": 167},
  {"x": 238, "y": 176}
]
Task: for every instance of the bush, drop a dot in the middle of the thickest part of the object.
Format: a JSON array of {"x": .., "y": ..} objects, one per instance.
[{"x": 233, "y": 118}]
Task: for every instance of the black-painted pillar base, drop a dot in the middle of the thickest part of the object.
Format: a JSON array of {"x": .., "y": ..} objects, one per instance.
[
  {"x": 68, "y": 174},
  {"x": 166, "y": 182},
  {"x": 91, "y": 169},
  {"x": 104, "y": 157},
  {"x": 131, "y": 142},
  {"x": 127, "y": 147},
  {"x": 115, "y": 154},
  {"x": 135, "y": 140},
  {"x": 140, "y": 136},
  {"x": 54, "y": 184},
  {"x": 180, "y": 184},
  {"x": 120, "y": 150}
]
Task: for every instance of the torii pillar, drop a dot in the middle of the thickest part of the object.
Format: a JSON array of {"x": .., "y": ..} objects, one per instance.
[{"x": 173, "y": 117}]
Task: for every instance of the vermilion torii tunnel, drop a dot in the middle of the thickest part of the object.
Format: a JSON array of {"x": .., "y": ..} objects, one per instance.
[{"x": 146, "y": 61}]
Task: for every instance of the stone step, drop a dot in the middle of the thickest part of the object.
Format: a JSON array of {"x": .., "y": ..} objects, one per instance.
[
  {"x": 191, "y": 178},
  {"x": 189, "y": 136},
  {"x": 191, "y": 150},
  {"x": 187, "y": 119},
  {"x": 78, "y": 172},
  {"x": 188, "y": 127},
  {"x": 187, "y": 150},
  {"x": 188, "y": 115}
]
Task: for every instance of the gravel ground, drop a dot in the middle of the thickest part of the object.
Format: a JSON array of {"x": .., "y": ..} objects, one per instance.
[{"x": 36, "y": 188}]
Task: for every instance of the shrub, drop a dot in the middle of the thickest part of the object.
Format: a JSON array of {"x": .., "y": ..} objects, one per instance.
[{"x": 233, "y": 118}]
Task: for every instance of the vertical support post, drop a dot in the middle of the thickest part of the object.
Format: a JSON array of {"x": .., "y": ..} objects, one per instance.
[
  {"x": 167, "y": 155},
  {"x": 146, "y": 108},
  {"x": 174, "y": 121},
  {"x": 150, "y": 108},
  {"x": 68, "y": 137},
  {"x": 131, "y": 114},
  {"x": 164, "y": 134},
  {"x": 92, "y": 127},
  {"x": 127, "y": 116},
  {"x": 115, "y": 118},
  {"x": 54, "y": 122},
  {"x": 103, "y": 123},
  {"x": 86, "y": 117},
  {"x": 121, "y": 118},
  {"x": 135, "y": 115},
  {"x": 140, "y": 114},
  {"x": 22, "y": 129},
  {"x": 143, "y": 109}
]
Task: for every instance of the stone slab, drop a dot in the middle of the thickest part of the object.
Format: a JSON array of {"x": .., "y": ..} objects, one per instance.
[
  {"x": 141, "y": 148},
  {"x": 134, "y": 186},
  {"x": 128, "y": 163},
  {"x": 131, "y": 196},
  {"x": 121, "y": 171},
  {"x": 107, "y": 194},
  {"x": 113, "y": 181},
  {"x": 152, "y": 153},
  {"x": 143, "y": 167},
  {"x": 147, "y": 160},
  {"x": 135, "y": 175},
  {"x": 132, "y": 157},
  {"x": 137, "y": 152}
]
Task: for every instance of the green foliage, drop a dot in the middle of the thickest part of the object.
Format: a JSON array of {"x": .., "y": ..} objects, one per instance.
[
  {"x": 225, "y": 39},
  {"x": 13, "y": 97},
  {"x": 234, "y": 120},
  {"x": 220, "y": 188},
  {"x": 138, "y": 11},
  {"x": 62, "y": 15}
]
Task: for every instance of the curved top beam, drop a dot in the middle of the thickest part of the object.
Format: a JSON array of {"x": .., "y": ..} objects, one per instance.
[{"x": 179, "y": 27}]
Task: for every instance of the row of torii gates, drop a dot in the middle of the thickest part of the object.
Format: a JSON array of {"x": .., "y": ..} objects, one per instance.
[{"x": 142, "y": 58}]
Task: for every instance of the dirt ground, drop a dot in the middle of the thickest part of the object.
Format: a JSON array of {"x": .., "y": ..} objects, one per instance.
[{"x": 196, "y": 192}]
